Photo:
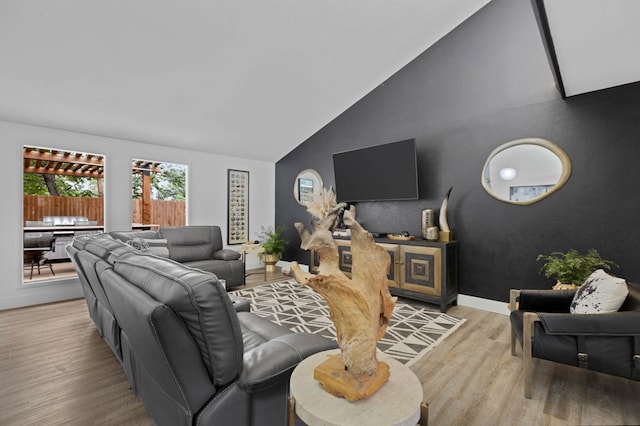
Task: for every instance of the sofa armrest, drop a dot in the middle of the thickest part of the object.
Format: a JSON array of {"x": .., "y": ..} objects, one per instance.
[
  {"x": 514, "y": 296},
  {"x": 240, "y": 304},
  {"x": 610, "y": 324},
  {"x": 226, "y": 254},
  {"x": 274, "y": 360},
  {"x": 545, "y": 300}
]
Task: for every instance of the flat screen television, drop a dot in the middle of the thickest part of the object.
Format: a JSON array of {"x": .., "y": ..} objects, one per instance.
[{"x": 386, "y": 172}]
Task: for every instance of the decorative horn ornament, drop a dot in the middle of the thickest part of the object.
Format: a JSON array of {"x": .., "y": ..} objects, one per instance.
[
  {"x": 445, "y": 231},
  {"x": 444, "y": 225}
]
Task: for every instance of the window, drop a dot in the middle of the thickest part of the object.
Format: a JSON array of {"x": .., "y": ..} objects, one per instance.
[
  {"x": 62, "y": 197},
  {"x": 159, "y": 193}
]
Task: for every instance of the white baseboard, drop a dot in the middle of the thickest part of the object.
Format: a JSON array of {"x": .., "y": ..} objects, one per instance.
[{"x": 483, "y": 304}]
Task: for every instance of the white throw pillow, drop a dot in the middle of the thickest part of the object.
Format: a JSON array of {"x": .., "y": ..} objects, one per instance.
[{"x": 600, "y": 293}]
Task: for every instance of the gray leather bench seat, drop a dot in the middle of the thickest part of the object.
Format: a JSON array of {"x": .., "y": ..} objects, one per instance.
[{"x": 188, "y": 353}]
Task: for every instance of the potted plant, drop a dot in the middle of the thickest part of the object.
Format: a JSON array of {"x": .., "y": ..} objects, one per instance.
[
  {"x": 572, "y": 268},
  {"x": 273, "y": 244}
]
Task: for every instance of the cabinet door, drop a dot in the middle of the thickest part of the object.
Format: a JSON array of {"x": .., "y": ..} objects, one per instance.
[
  {"x": 393, "y": 277},
  {"x": 314, "y": 261},
  {"x": 344, "y": 255},
  {"x": 421, "y": 269},
  {"x": 346, "y": 260}
]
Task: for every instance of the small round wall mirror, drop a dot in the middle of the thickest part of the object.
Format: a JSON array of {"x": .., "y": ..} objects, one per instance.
[
  {"x": 308, "y": 182},
  {"x": 525, "y": 171}
]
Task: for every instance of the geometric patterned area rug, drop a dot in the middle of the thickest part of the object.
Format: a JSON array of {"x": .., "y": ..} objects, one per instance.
[{"x": 412, "y": 331}]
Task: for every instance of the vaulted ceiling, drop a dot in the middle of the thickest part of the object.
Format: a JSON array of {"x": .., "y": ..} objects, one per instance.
[
  {"x": 252, "y": 78},
  {"x": 595, "y": 42}
]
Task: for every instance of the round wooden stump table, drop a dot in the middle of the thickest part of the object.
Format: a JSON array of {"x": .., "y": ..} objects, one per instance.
[{"x": 397, "y": 402}]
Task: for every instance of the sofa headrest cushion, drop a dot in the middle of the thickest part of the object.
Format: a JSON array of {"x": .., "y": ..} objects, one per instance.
[
  {"x": 125, "y": 236},
  {"x": 107, "y": 248},
  {"x": 200, "y": 301},
  {"x": 191, "y": 243},
  {"x": 79, "y": 241}
]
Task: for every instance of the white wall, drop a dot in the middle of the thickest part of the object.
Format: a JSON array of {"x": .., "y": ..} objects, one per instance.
[{"x": 206, "y": 195}]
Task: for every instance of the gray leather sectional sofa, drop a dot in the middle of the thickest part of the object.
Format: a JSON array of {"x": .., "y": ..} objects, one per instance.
[
  {"x": 198, "y": 246},
  {"x": 193, "y": 354}
]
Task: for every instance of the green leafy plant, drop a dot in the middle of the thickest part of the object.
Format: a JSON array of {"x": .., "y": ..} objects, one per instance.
[
  {"x": 271, "y": 239},
  {"x": 572, "y": 267}
]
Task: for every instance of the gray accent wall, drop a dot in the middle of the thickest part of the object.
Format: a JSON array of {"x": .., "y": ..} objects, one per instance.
[{"x": 484, "y": 84}]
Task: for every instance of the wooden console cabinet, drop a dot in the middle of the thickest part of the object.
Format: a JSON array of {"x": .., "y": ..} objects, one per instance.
[{"x": 420, "y": 270}]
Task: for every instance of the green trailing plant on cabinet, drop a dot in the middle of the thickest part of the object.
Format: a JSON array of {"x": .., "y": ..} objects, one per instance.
[{"x": 572, "y": 267}]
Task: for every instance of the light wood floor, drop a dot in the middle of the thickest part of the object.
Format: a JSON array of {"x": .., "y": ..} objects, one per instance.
[{"x": 56, "y": 370}]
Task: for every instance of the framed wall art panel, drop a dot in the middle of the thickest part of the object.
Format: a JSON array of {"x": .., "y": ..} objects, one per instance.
[{"x": 237, "y": 206}]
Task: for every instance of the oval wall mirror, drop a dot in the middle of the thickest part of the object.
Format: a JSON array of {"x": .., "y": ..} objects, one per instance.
[
  {"x": 308, "y": 182},
  {"x": 525, "y": 171}
]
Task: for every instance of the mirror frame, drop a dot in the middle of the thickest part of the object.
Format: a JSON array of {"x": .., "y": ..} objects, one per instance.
[
  {"x": 315, "y": 174},
  {"x": 544, "y": 143}
]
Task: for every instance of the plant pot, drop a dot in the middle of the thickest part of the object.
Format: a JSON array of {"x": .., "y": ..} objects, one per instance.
[
  {"x": 270, "y": 261},
  {"x": 561, "y": 286}
]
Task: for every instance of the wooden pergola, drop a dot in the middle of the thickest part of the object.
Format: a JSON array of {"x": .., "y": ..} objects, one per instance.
[{"x": 68, "y": 163}]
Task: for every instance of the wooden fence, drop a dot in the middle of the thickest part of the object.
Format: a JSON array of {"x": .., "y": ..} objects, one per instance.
[{"x": 163, "y": 213}]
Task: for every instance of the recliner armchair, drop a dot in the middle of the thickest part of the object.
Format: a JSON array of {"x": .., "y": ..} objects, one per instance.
[
  {"x": 605, "y": 342},
  {"x": 197, "y": 246}
]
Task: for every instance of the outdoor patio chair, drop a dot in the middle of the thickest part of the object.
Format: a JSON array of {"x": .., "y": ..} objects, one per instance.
[{"x": 36, "y": 244}]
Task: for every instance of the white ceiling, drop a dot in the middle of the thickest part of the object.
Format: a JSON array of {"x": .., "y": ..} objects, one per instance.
[
  {"x": 597, "y": 42},
  {"x": 251, "y": 78}
]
